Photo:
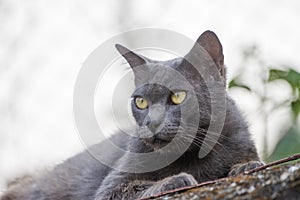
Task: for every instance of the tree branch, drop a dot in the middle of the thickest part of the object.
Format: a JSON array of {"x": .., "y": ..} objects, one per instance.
[
  {"x": 281, "y": 161},
  {"x": 277, "y": 162}
]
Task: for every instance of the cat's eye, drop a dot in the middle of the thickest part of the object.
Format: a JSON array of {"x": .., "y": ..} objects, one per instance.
[
  {"x": 141, "y": 103},
  {"x": 178, "y": 97}
]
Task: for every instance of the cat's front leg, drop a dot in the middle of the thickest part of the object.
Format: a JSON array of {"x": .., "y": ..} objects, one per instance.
[
  {"x": 242, "y": 167},
  {"x": 169, "y": 183},
  {"x": 118, "y": 185}
]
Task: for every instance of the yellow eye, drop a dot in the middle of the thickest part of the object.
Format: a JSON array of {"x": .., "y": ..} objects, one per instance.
[
  {"x": 178, "y": 97},
  {"x": 141, "y": 103}
]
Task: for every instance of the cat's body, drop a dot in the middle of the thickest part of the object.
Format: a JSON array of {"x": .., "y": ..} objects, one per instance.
[{"x": 157, "y": 112}]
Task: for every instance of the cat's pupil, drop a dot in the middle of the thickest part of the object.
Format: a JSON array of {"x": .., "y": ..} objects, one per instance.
[
  {"x": 178, "y": 97},
  {"x": 141, "y": 103}
]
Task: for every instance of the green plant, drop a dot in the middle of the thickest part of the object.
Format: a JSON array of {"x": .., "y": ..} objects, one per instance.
[{"x": 289, "y": 143}]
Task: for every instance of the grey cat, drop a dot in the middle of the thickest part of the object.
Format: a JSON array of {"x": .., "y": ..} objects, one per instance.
[{"x": 167, "y": 110}]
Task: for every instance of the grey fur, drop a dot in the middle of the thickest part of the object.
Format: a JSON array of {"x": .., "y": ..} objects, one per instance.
[{"x": 83, "y": 177}]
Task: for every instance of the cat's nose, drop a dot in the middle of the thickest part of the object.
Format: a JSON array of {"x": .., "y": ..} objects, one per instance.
[{"x": 156, "y": 116}]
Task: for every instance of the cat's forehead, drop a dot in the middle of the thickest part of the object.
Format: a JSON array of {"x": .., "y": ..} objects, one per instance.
[
  {"x": 152, "y": 90},
  {"x": 163, "y": 73}
]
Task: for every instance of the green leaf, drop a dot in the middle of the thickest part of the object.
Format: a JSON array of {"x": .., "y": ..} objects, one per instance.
[
  {"x": 235, "y": 83},
  {"x": 296, "y": 108},
  {"x": 288, "y": 145},
  {"x": 290, "y": 75}
]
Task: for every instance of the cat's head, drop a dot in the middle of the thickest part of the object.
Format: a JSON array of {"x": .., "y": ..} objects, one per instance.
[{"x": 170, "y": 94}]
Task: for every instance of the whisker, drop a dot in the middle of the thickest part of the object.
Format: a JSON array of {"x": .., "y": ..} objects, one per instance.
[{"x": 199, "y": 142}]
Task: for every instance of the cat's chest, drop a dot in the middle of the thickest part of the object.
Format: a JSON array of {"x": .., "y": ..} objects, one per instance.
[{"x": 199, "y": 169}]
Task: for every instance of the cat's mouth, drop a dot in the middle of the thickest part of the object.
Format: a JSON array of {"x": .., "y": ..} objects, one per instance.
[
  {"x": 159, "y": 140},
  {"x": 156, "y": 143}
]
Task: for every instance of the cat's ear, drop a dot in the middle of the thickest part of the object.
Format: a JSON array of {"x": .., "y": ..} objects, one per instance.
[
  {"x": 132, "y": 58},
  {"x": 212, "y": 45}
]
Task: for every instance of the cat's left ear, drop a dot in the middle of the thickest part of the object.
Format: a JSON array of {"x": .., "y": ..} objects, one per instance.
[
  {"x": 132, "y": 58},
  {"x": 212, "y": 45}
]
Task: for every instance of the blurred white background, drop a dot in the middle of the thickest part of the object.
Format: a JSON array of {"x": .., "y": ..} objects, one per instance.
[{"x": 43, "y": 44}]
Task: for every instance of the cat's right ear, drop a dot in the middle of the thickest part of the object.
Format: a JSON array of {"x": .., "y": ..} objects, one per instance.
[{"x": 132, "y": 58}]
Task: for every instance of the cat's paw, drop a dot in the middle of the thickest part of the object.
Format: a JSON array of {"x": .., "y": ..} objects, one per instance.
[
  {"x": 177, "y": 181},
  {"x": 242, "y": 167},
  {"x": 170, "y": 183}
]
